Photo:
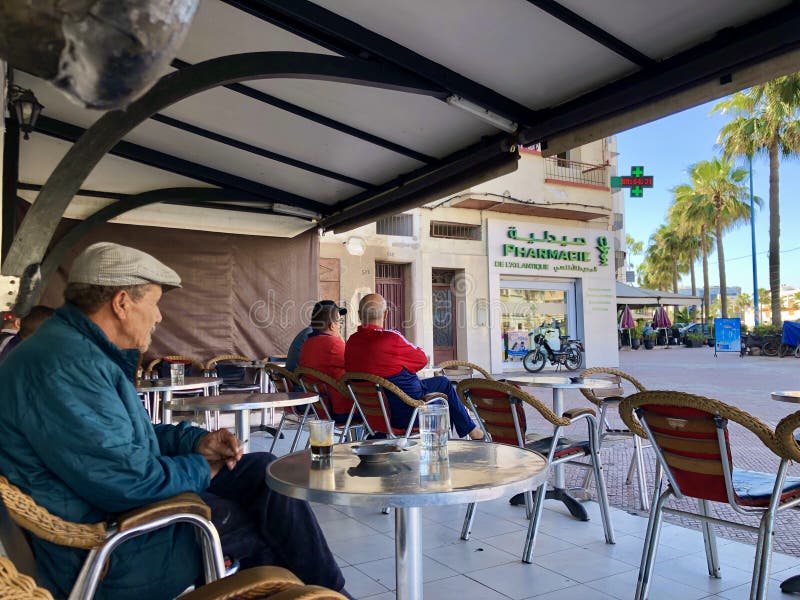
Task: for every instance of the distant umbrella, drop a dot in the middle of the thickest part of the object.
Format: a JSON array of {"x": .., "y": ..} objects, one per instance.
[
  {"x": 660, "y": 318},
  {"x": 626, "y": 321}
]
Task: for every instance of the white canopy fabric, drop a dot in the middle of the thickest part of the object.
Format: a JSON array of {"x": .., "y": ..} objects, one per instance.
[{"x": 634, "y": 296}]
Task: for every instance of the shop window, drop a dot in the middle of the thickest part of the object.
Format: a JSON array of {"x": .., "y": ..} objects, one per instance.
[{"x": 526, "y": 312}]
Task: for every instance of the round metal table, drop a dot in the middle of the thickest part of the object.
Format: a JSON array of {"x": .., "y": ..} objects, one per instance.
[
  {"x": 468, "y": 472},
  {"x": 558, "y": 384},
  {"x": 786, "y": 396},
  {"x": 162, "y": 390},
  {"x": 241, "y": 404}
]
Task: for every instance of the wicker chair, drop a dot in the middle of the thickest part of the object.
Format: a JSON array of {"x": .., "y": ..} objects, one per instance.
[
  {"x": 605, "y": 398},
  {"x": 285, "y": 380},
  {"x": 369, "y": 397},
  {"x": 194, "y": 366},
  {"x": 234, "y": 377},
  {"x": 100, "y": 539},
  {"x": 274, "y": 583},
  {"x": 462, "y": 369},
  {"x": 319, "y": 383},
  {"x": 690, "y": 438},
  {"x": 500, "y": 409}
]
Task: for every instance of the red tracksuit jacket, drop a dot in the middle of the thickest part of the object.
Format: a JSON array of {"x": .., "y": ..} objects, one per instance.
[{"x": 382, "y": 352}]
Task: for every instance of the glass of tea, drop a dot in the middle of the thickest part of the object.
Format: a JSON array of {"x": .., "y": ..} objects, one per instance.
[{"x": 321, "y": 435}]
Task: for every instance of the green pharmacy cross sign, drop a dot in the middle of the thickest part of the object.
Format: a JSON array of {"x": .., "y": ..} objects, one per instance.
[{"x": 636, "y": 182}]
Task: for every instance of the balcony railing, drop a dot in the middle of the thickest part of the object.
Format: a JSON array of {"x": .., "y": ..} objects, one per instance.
[{"x": 572, "y": 171}]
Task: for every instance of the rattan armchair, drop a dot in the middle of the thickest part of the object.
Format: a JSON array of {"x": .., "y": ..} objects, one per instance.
[
  {"x": 690, "y": 438},
  {"x": 234, "y": 376},
  {"x": 499, "y": 407},
  {"x": 274, "y": 583},
  {"x": 20, "y": 511},
  {"x": 609, "y": 398},
  {"x": 369, "y": 396},
  {"x": 195, "y": 366},
  {"x": 321, "y": 384}
]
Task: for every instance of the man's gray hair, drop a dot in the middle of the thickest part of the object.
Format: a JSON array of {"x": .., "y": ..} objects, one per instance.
[
  {"x": 372, "y": 311},
  {"x": 89, "y": 298}
]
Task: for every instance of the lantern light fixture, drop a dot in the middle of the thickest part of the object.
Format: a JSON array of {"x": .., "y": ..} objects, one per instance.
[{"x": 26, "y": 108}]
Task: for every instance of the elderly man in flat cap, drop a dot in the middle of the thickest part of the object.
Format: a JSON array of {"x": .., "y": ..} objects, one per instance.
[{"x": 75, "y": 436}]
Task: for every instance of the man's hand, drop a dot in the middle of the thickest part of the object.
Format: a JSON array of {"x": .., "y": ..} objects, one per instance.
[{"x": 220, "y": 448}]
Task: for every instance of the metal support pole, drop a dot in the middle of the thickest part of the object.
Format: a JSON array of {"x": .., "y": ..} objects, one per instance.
[
  {"x": 753, "y": 243},
  {"x": 408, "y": 547}
]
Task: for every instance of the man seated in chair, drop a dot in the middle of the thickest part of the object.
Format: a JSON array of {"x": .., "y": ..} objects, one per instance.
[
  {"x": 386, "y": 353},
  {"x": 75, "y": 436},
  {"x": 324, "y": 352}
]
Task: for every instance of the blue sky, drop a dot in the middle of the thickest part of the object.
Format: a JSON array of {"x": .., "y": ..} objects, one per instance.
[{"x": 667, "y": 148}]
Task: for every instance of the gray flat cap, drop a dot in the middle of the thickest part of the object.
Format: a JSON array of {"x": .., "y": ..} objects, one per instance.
[{"x": 111, "y": 264}]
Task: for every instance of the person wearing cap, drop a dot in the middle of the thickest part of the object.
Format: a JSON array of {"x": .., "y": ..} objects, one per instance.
[
  {"x": 386, "y": 353},
  {"x": 9, "y": 334},
  {"x": 324, "y": 352},
  {"x": 76, "y": 437}
]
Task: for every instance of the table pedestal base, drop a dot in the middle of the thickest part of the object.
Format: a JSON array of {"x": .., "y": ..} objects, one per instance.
[
  {"x": 575, "y": 508},
  {"x": 408, "y": 552},
  {"x": 791, "y": 585}
]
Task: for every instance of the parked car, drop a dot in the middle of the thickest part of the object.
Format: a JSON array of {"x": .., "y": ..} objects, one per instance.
[{"x": 703, "y": 328}]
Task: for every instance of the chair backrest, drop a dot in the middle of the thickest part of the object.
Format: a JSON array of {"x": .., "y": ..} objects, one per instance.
[
  {"x": 369, "y": 394},
  {"x": 690, "y": 435},
  {"x": 621, "y": 380},
  {"x": 192, "y": 366},
  {"x": 228, "y": 372},
  {"x": 462, "y": 368},
  {"x": 315, "y": 381},
  {"x": 500, "y": 408}
]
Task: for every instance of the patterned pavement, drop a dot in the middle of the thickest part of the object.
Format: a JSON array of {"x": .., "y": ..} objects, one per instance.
[{"x": 743, "y": 382}]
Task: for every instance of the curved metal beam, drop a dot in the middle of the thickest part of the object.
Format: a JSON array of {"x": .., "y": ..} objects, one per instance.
[
  {"x": 204, "y": 195},
  {"x": 40, "y": 223}
]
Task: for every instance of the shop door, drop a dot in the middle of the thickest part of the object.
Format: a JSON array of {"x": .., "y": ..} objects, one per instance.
[
  {"x": 390, "y": 283},
  {"x": 444, "y": 323}
]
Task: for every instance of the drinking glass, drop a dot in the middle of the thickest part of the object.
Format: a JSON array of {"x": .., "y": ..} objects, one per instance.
[
  {"x": 320, "y": 433},
  {"x": 434, "y": 425}
]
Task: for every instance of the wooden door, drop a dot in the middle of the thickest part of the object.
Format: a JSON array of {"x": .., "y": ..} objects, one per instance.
[
  {"x": 390, "y": 283},
  {"x": 444, "y": 323}
]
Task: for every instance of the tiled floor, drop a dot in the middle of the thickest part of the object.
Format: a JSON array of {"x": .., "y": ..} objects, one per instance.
[{"x": 572, "y": 560}]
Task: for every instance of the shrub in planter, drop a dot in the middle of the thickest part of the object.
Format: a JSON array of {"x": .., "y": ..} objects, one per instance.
[
  {"x": 635, "y": 343},
  {"x": 650, "y": 340},
  {"x": 694, "y": 340}
]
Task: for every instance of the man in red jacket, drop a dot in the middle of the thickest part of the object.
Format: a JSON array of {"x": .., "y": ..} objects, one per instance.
[
  {"x": 386, "y": 353},
  {"x": 324, "y": 351}
]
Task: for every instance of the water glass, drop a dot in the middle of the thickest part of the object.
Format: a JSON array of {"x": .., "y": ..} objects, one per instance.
[
  {"x": 177, "y": 372},
  {"x": 320, "y": 433},
  {"x": 434, "y": 425}
]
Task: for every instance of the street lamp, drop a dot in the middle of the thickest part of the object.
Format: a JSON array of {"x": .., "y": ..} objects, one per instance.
[{"x": 26, "y": 108}]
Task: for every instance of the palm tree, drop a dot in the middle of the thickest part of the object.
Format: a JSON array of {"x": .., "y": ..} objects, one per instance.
[
  {"x": 721, "y": 201},
  {"x": 655, "y": 271},
  {"x": 683, "y": 199},
  {"x": 669, "y": 243},
  {"x": 766, "y": 121},
  {"x": 742, "y": 303}
]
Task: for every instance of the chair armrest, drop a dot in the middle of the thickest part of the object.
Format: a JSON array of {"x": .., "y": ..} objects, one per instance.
[
  {"x": 308, "y": 592},
  {"x": 256, "y": 582},
  {"x": 433, "y": 395},
  {"x": 785, "y": 436},
  {"x": 574, "y": 413},
  {"x": 186, "y": 502}
]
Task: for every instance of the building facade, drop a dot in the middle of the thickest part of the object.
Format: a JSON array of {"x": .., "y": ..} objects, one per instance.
[{"x": 474, "y": 275}]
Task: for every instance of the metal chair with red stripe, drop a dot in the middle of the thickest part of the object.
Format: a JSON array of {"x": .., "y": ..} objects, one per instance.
[
  {"x": 690, "y": 438},
  {"x": 500, "y": 410},
  {"x": 324, "y": 385},
  {"x": 369, "y": 396},
  {"x": 286, "y": 381}
]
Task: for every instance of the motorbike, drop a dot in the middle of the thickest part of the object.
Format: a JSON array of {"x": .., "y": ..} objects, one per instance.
[{"x": 569, "y": 354}]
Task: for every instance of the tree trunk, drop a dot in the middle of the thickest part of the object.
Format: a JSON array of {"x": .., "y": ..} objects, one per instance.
[
  {"x": 774, "y": 236},
  {"x": 675, "y": 276},
  {"x": 691, "y": 272},
  {"x": 706, "y": 291},
  {"x": 723, "y": 282}
]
